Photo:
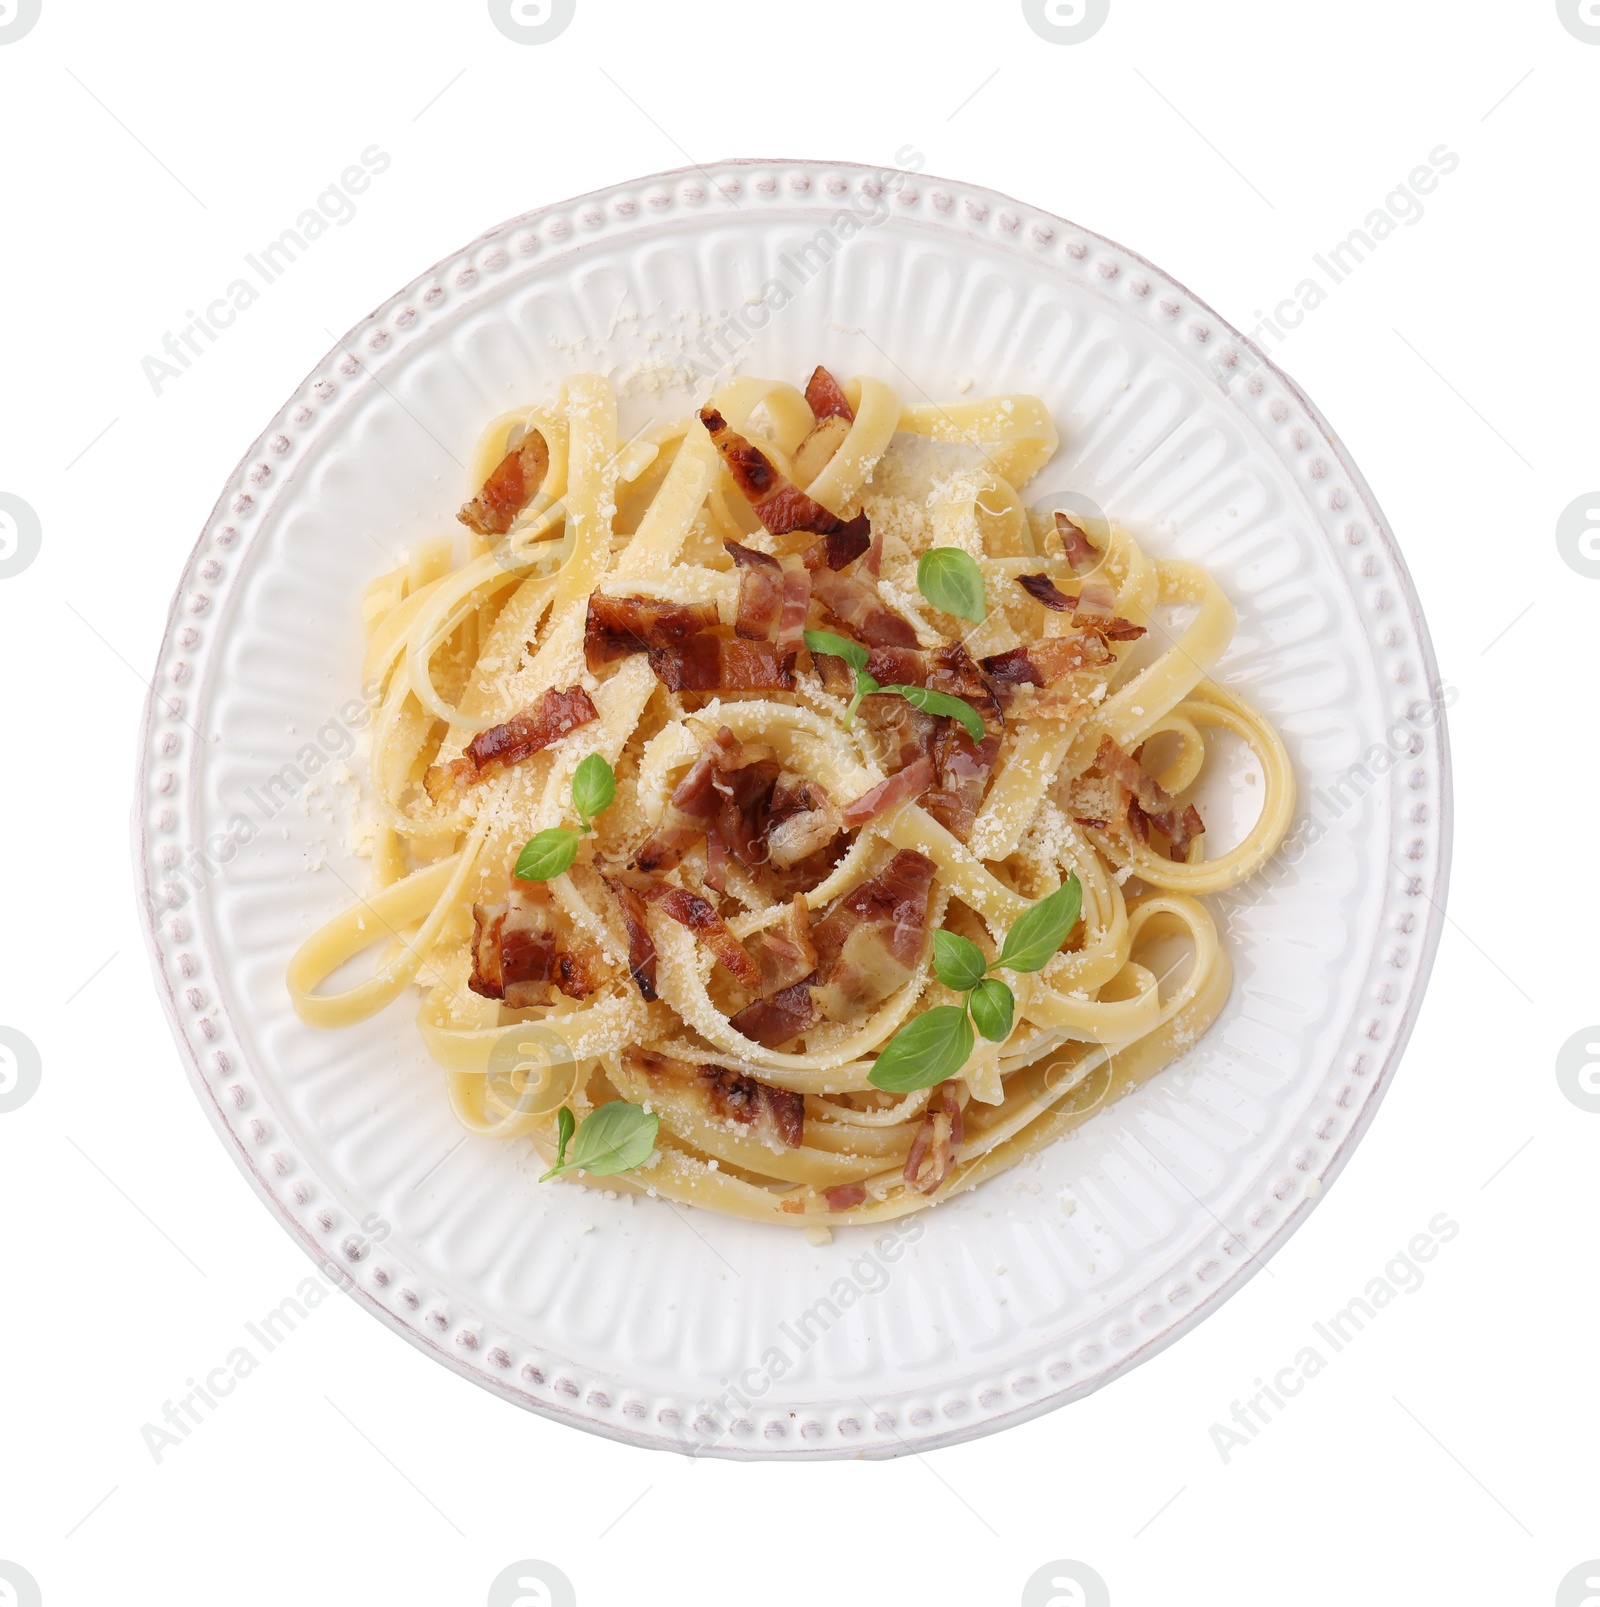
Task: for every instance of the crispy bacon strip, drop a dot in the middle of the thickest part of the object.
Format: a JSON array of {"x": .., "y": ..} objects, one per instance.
[
  {"x": 840, "y": 547},
  {"x": 949, "y": 669},
  {"x": 696, "y": 801},
  {"x": 1148, "y": 802},
  {"x": 716, "y": 859},
  {"x": 512, "y": 485},
  {"x": 1094, "y": 607},
  {"x": 1044, "y": 590},
  {"x": 773, "y": 1022},
  {"x": 903, "y": 785},
  {"x": 760, "y": 591},
  {"x": 713, "y": 664},
  {"x": 901, "y": 734},
  {"x": 774, "y": 1115},
  {"x": 1081, "y": 553},
  {"x": 801, "y": 819},
  {"x": 934, "y": 1150},
  {"x": 1049, "y": 660},
  {"x": 501, "y": 746},
  {"x": 641, "y": 946},
  {"x": 825, "y": 397},
  {"x": 792, "y": 618},
  {"x": 518, "y": 951},
  {"x": 784, "y": 950},
  {"x": 870, "y": 939},
  {"x": 778, "y": 504},
  {"x": 691, "y": 911},
  {"x": 744, "y": 793},
  {"x": 860, "y": 607},
  {"x": 617, "y": 626},
  {"x": 962, "y": 768}
]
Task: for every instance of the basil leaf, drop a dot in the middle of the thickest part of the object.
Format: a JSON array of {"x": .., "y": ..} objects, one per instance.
[
  {"x": 1032, "y": 943},
  {"x": 549, "y": 854},
  {"x": 992, "y": 1004},
  {"x": 618, "y": 1137},
  {"x": 933, "y": 1047},
  {"x": 950, "y": 579},
  {"x": 593, "y": 787},
  {"x": 958, "y": 963},
  {"x": 942, "y": 703},
  {"x": 853, "y": 653},
  {"x": 566, "y": 1124}
]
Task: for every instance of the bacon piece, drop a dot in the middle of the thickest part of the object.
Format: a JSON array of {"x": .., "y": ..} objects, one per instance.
[
  {"x": 518, "y": 951},
  {"x": 1180, "y": 830},
  {"x": 641, "y": 946},
  {"x": 897, "y": 666},
  {"x": 512, "y": 485},
  {"x": 773, "y": 1022},
  {"x": 903, "y": 785},
  {"x": 712, "y": 664},
  {"x": 696, "y": 802},
  {"x": 744, "y": 791},
  {"x": 792, "y": 618},
  {"x": 934, "y": 1150},
  {"x": 1043, "y": 589},
  {"x": 501, "y": 746},
  {"x": 1081, "y": 554},
  {"x": 1049, "y": 660},
  {"x": 691, "y": 911},
  {"x": 778, "y": 504},
  {"x": 716, "y": 860},
  {"x": 776, "y": 1116},
  {"x": 840, "y": 547},
  {"x": 1148, "y": 803},
  {"x": 952, "y": 670},
  {"x": 874, "y": 563},
  {"x": 949, "y": 669},
  {"x": 870, "y": 939},
  {"x": 1094, "y": 607},
  {"x": 825, "y": 397},
  {"x": 784, "y": 950},
  {"x": 901, "y": 733},
  {"x": 760, "y": 592},
  {"x": 618, "y": 626},
  {"x": 1096, "y": 602},
  {"x": 860, "y": 607},
  {"x": 800, "y": 820},
  {"x": 845, "y": 1196},
  {"x": 963, "y": 768}
]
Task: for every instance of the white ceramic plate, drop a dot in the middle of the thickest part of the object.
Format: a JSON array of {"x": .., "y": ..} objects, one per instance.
[{"x": 636, "y": 1318}]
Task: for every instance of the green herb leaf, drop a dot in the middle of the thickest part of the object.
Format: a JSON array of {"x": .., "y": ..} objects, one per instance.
[
  {"x": 950, "y": 579},
  {"x": 549, "y": 854},
  {"x": 593, "y": 787},
  {"x": 853, "y": 653},
  {"x": 958, "y": 963},
  {"x": 927, "y": 1051},
  {"x": 617, "y": 1138},
  {"x": 992, "y": 1004},
  {"x": 942, "y": 703},
  {"x": 1032, "y": 943},
  {"x": 566, "y": 1125}
]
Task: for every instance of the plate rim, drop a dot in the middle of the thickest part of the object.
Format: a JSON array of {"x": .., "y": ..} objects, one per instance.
[{"x": 676, "y": 1435}]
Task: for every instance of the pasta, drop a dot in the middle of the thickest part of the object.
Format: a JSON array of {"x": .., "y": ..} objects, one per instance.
[{"x": 798, "y": 729}]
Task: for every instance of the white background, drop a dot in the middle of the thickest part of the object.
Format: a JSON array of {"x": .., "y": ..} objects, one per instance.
[{"x": 1446, "y": 1454}]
